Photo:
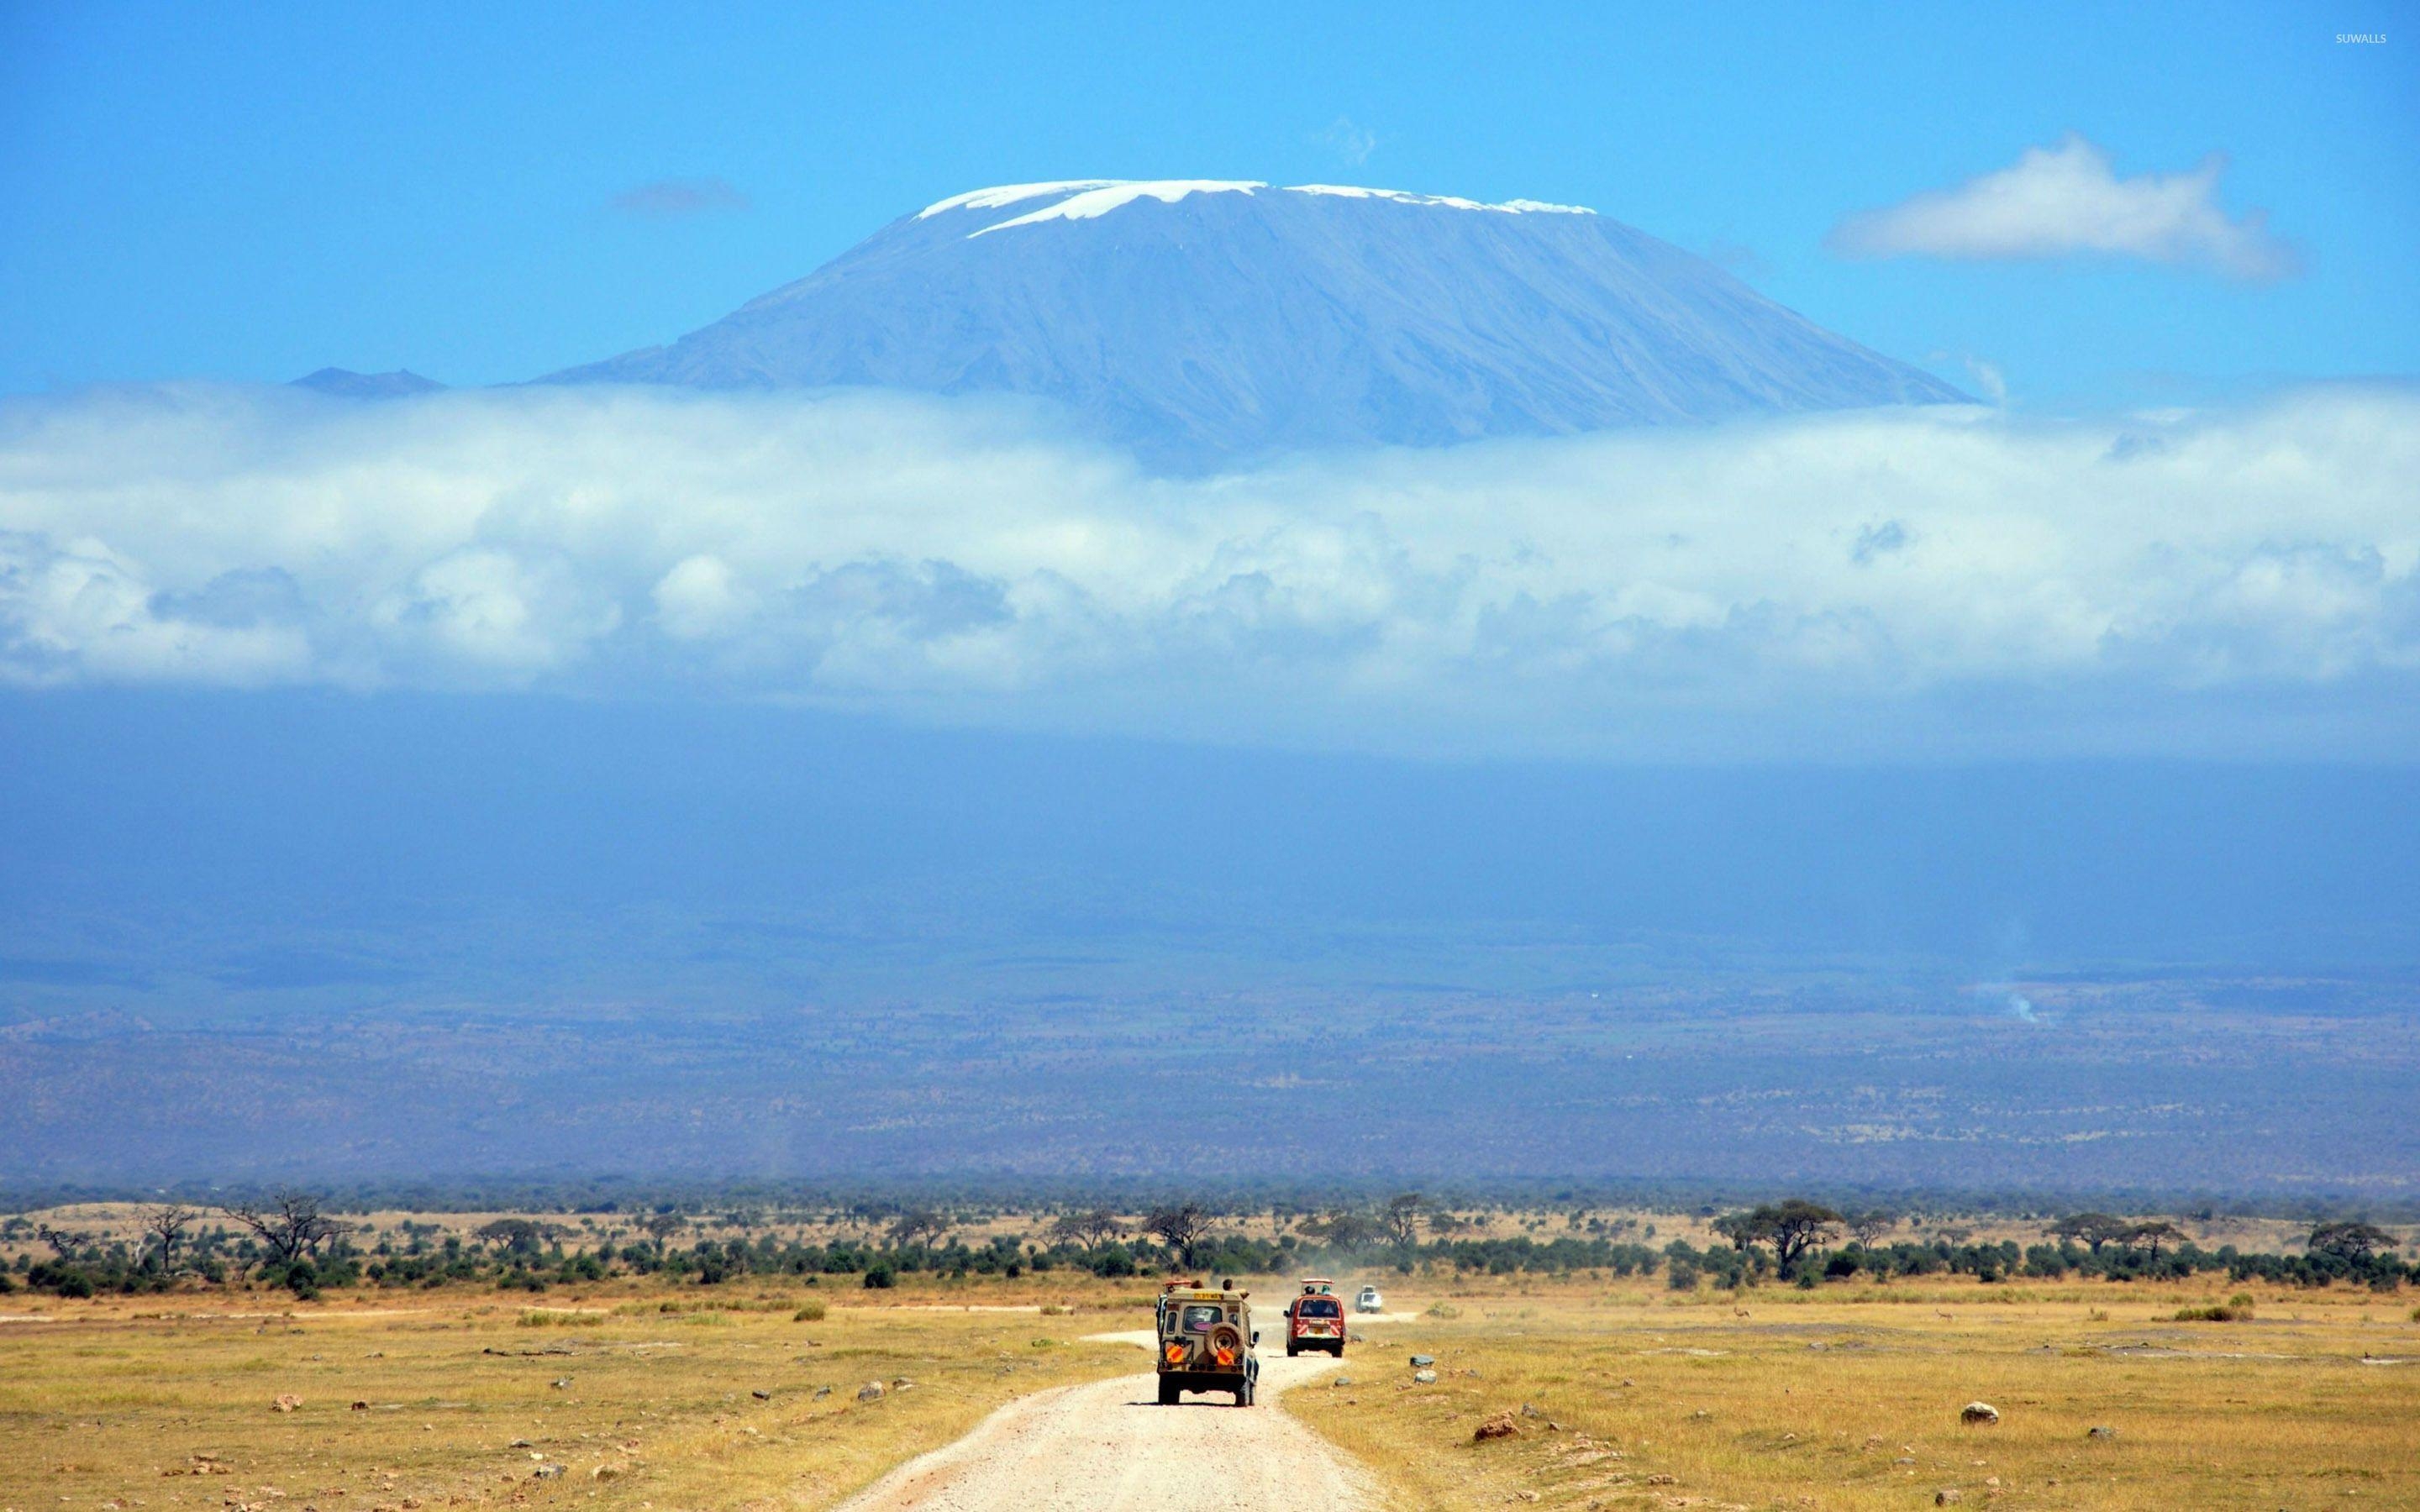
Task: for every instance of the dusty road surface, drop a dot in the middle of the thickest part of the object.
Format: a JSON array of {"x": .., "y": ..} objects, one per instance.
[{"x": 1111, "y": 1446}]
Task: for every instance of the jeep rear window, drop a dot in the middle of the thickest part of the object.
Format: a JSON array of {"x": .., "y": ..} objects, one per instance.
[
  {"x": 1318, "y": 1307},
  {"x": 1200, "y": 1320}
]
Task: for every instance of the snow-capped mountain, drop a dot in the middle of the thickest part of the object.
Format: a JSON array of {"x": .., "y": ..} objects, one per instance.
[{"x": 1200, "y": 321}]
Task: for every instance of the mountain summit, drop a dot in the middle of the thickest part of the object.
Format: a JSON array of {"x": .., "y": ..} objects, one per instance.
[{"x": 1200, "y": 321}]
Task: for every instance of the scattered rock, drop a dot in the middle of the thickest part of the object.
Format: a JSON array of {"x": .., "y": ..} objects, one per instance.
[
  {"x": 520, "y": 1443},
  {"x": 1419, "y": 1360},
  {"x": 1948, "y": 1496},
  {"x": 1701, "y": 1415},
  {"x": 903, "y": 1383},
  {"x": 1979, "y": 1414},
  {"x": 1499, "y": 1426},
  {"x": 822, "y": 1392},
  {"x": 1340, "y": 1380},
  {"x": 1527, "y": 1411},
  {"x": 2101, "y": 1433},
  {"x": 548, "y": 1472},
  {"x": 561, "y": 1382},
  {"x": 1425, "y": 1378},
  {"x": 870, "y": 1392},
  {"x": 762, "y": 1396},
  {"x": 605, "y": 1473},
  {"x": 286, "y": 1402},
  {"x": 1663, "y": 1480}
]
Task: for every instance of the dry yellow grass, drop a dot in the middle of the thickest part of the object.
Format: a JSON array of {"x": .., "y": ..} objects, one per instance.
[
  {"x": 112, "y": 1405},
  {"x": 1808, "y": 1400},
  {"x": 1850, "y": 1400}
]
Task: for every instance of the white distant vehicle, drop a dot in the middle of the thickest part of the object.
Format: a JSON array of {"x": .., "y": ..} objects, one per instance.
[{"x": 1369, "y": 1301}]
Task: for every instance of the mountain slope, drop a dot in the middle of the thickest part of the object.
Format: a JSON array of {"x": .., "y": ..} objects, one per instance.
[
  {"x": 1200, "y": 321},
  {"x": 344, "y": 383}
]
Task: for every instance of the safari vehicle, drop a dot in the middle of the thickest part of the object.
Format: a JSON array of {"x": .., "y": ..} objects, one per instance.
[
  {"x": 1368, "y": 1302},
  {"x": 1205, "y": 1342},
  {"x": 1315, "y": 1319}
]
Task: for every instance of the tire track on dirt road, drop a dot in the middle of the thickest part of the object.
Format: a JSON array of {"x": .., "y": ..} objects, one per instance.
[{"x": 1109, "y": 1446}]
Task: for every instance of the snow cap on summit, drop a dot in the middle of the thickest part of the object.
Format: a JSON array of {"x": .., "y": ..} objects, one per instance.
[
  {"x": 1085, "y": 199},
  {"x": 1101, "y": 201}
]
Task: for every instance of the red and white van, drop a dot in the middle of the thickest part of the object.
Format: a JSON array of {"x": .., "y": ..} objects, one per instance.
[{"x": 1315, "y": 1319}]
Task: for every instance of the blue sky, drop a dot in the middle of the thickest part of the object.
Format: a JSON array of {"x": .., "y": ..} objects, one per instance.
[{"x": 254, "y": 192}]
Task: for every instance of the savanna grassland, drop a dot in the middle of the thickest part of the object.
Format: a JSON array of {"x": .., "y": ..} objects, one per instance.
[
  {"x": 624, "y": 1397},
  {"x": 1850, "y": 1399},
  {"x": 645, "y": 1394}
]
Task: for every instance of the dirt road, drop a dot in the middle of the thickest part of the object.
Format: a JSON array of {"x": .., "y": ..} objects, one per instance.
[{"x": 1109, "y": 1446}]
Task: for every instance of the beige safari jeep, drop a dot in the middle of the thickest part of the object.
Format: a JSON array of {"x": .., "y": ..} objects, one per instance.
[{"x": 1205, "y": 1342}]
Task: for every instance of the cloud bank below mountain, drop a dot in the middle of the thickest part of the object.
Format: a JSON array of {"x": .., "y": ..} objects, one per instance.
[{"x": 1901, "y": 582}]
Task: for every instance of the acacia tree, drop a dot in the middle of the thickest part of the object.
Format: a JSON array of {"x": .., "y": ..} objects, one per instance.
[
  {"x": 2354, "y": 1242},
  {"x": 661, "y": 1227},
  {"x": 63, "y": 1242},
  {"x": 1744, "y": 1229},
  {"x": 1794, "y": 1227},
  {"x": 167, "y": 1224},
  {"x": 1181, "y": 1227},
  {"x": 1871, "y": 1223},
  {"x": 2151, "y": 1235},
  {"x": 1401, "y": 1217},
  {"x": 2092, "y": 1228},
  {"x": 1091, "y": 1229},
  {"x": 289, "y": 1222},
  {"x": 517, "y": 1235},
  {"x": 1343, "y": 1229},
  {"x": 920, "y": 1224}
]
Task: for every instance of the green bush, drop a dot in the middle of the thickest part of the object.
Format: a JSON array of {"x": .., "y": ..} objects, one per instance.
[
  {"x": 811, "y": 1313},
  {"x": 880, "y": 1278}
]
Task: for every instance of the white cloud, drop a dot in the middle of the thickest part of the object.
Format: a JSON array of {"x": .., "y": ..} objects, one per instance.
[
  {"x": 1913, "y": 581},
  {"x": 1989, "y": 381},
  {"x": 1351, "y": 142},
  {"x": 701, "y": 598},
  {"x": 2065, "y": 201}
]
